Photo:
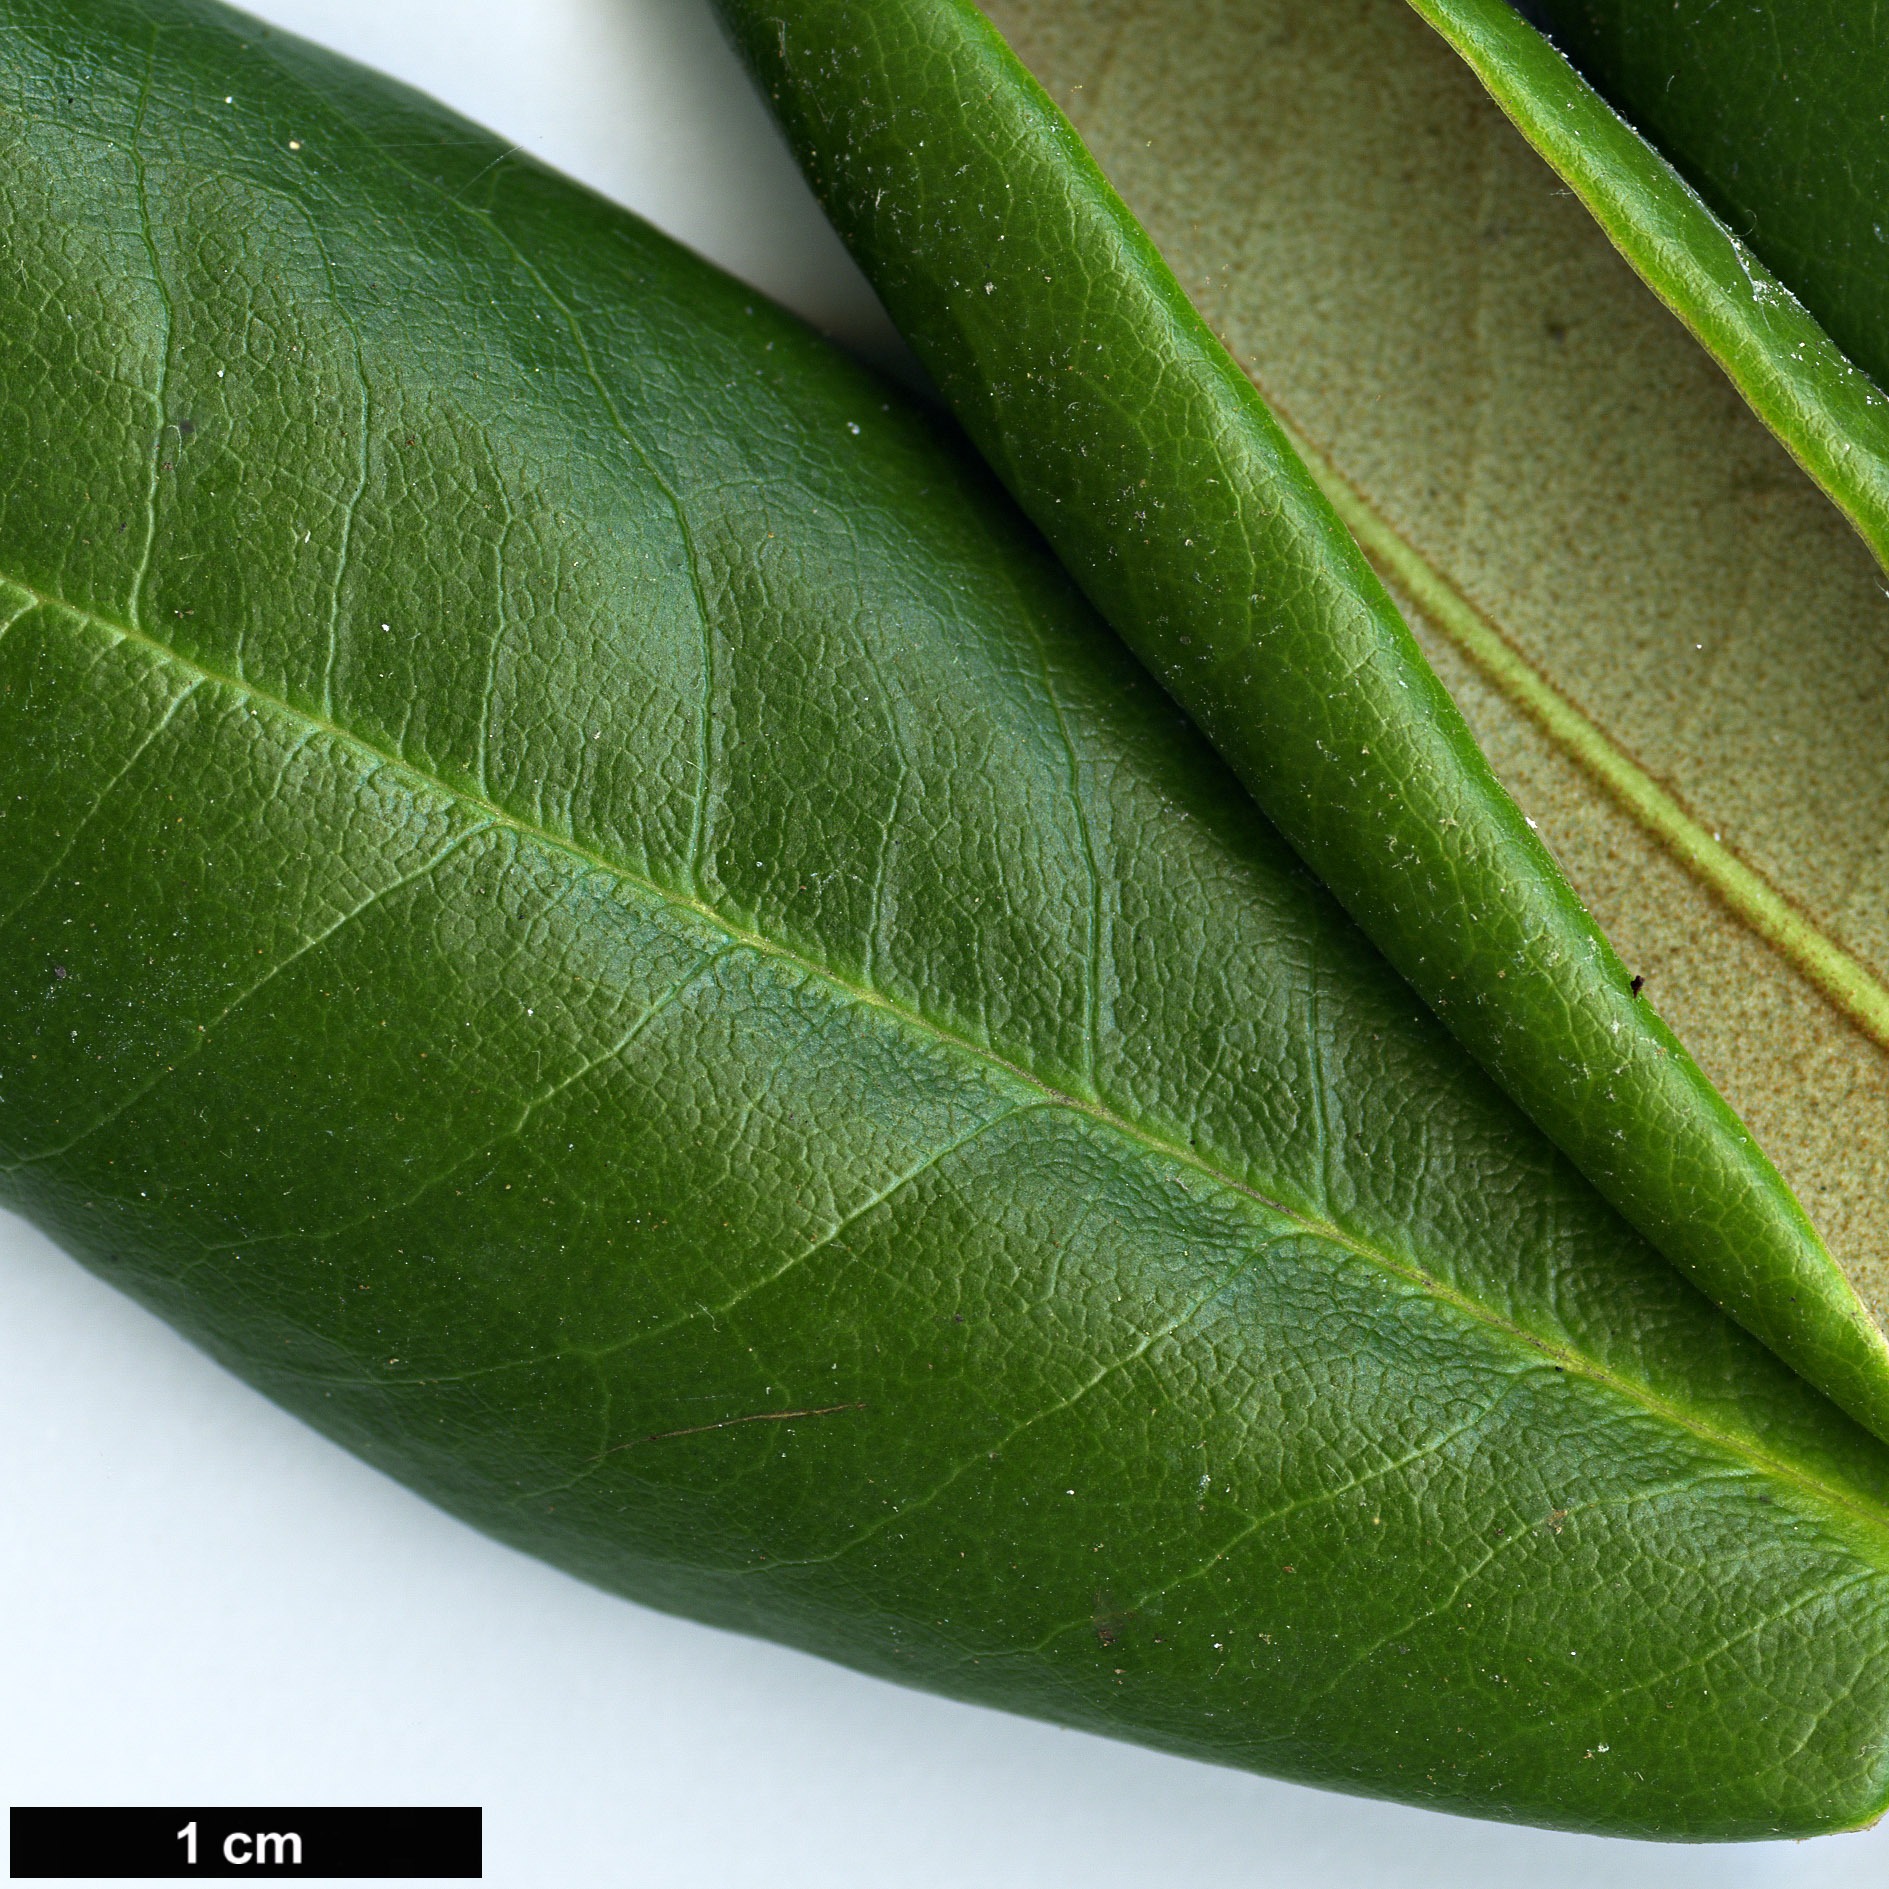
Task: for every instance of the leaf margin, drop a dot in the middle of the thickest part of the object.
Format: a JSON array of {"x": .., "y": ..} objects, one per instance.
[{"x": 1828, "y": 414}]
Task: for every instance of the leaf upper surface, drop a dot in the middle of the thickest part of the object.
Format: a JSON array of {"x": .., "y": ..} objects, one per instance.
[{"x": 581, "y": 901}]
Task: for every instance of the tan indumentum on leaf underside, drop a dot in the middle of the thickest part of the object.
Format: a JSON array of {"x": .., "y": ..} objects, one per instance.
[{"x": 1419, "y": 297}]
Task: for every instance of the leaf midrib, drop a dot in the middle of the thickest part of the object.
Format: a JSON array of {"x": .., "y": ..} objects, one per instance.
[
  {"x": 1785, "y": 926},
  {"x": 1850, "y": 1501}
]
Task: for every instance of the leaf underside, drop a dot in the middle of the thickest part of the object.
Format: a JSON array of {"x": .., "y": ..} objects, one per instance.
[
  {"x": 582, "y": 903},
  {"x": 1668, "y": 595}
]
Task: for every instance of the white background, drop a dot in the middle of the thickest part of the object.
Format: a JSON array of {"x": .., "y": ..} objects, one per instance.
[{"x": 201, "y": 1601}]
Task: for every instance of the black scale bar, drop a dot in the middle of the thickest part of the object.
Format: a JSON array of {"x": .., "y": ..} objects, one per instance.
[{"x": 142, "y": 1845}]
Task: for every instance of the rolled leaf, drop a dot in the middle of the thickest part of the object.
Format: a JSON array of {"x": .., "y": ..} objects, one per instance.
[
  {"x": 1672, "y": 648},
  {"x": 1063, "y": 341}
]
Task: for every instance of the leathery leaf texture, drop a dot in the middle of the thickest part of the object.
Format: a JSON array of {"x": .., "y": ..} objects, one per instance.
[
  {"x": 1139, "y": 447},
  {"x": 583, "y": 903}
]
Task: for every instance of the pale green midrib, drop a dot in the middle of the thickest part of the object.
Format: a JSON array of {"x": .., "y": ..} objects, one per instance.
[
  {"x": 1851, "y": 1502},
  {"x": 1840, "y": 977}
]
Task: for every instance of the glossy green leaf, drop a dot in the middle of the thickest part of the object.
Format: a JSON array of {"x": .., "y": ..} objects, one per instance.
[
  {"x": 582, "y": 902},
  {"x": 1768, "y": 111},
  {"x": 1119, "y": 422}
]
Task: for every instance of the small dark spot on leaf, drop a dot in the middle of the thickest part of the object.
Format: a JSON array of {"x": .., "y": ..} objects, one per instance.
[
  {"x": 1109, "y": 1619},
  {"x": 1638, "y": 985}
]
